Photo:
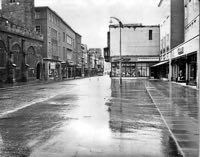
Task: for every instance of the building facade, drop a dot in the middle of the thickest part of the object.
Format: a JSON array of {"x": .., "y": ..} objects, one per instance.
[
  {"x": 85, "y": 71},
  {"x": 61, "y": 44},
  {"x": 96, "y": 61},
  {"x": 171, "y": 32},
  {"x": 20, "y": 45},
  {"x": 78, "y": 55},
  {"x": 140, "y": 49},
  {"x": 182, "y": 57}
]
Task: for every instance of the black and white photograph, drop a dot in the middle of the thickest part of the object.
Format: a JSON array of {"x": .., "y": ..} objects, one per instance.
[{"x": 99, "y": 78}]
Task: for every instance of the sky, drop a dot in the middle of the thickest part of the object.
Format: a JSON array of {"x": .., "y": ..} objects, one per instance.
[{"x": 90, "y": 18}]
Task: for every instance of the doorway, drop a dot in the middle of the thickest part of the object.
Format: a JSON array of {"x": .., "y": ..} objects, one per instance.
[{"x": 38, "y": 71}]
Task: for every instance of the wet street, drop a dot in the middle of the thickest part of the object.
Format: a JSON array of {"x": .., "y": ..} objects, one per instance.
[{"x": 94, "y": 117}]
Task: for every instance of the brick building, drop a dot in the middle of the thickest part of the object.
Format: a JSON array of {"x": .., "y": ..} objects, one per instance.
[
  {"x": 61, "y": 44},
  {"x": 20, "y": 45},
  {"x": 140, "y": 49}
]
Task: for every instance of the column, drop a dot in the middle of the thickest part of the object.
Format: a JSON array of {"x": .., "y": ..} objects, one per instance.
[
  {"x": 170, "y": 67},
  {"x": 187, "y": 72},
  {"x": 9, "y": 67},
  {"x": 24, "y": 68},
  {"x": 46, "y": 75}
]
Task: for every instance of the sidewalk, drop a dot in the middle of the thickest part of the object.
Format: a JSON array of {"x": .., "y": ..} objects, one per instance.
[{"x": 178, "y": 106}]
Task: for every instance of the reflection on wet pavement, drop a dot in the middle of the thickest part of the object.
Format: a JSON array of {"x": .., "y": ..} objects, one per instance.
[
  {"x": 89, "y": 117},
  {"x": 179, "y": 106}
]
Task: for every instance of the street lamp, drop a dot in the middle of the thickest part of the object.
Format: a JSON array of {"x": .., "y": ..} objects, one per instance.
[{"x": 120, "y": 48}]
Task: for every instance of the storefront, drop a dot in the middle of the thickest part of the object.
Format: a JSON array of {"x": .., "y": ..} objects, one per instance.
[
  {"x": 70, "y": 68},
  {"x": 52, "y": 69},
  {"x": 64, "y": 70},
  {"x": 192, "y": 69},
  {"x": 161, "y": 70},
  {"x": 179, "y": 69},
  {"x": 131, "y": 69},
  {"x": 184, "y": 62}
]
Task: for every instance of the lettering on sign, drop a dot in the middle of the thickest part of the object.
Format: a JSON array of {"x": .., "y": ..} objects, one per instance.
[
  {"x": 180, "y": 50},
  {"x": 148, "y": 59}
]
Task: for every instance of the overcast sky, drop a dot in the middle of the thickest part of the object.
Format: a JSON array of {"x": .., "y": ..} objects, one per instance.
[{"x": 90, "y": 18}]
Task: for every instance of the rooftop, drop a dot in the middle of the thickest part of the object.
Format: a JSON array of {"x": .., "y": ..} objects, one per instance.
[{"x": 134, "y": 25}]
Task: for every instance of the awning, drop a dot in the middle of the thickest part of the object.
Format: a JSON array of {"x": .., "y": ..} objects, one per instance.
[{"x": 161, "y": 63}]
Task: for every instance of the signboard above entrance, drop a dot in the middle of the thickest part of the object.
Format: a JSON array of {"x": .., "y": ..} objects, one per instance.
[
  {"x": 180, "y": 50},
  {"x": 148, "y": 59}
]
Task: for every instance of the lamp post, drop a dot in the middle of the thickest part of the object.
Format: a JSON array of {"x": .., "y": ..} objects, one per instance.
[{"x": 120, "y": 49}]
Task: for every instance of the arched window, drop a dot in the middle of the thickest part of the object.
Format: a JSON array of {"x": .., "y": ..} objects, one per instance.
[
  {"x": 17, "y": 55},
  {"x": 2, "y": 54},
  {"x": 31, "y": 57}
]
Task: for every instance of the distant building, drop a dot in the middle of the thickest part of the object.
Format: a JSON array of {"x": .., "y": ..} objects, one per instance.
[
  {"x": 96, "y": 60},
  {"x": 61, "y": 44},
  {"x": 180, "y": 60},
  {"x": 21, "y": 47},
  {"x": 140, "y": 49}
]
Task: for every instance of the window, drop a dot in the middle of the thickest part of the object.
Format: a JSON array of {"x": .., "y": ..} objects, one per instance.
[
  {"x": 53, "y": 34},
  {"x": 64, "y": 57},
  {"x": 161, "y": 43},
  {"x": 37, "y": 15},
  {"x": 59, "y": 38},
  {"x": 69, "y": 40},
  {"x": 50, "y": 17},
  {"x": 38, "y": 29},
  {"x": 150, "y": 34},
  {"x": 63, "y": 36},
  {"x": 167, "y": 40},
  {"x": 12, "y": 1}
]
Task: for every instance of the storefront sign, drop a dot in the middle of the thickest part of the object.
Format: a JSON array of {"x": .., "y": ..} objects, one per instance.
[
  {"x": 148, "y": 59},
  {"x": 180, "y": 50},
  {"x": 116, "y": 65}
]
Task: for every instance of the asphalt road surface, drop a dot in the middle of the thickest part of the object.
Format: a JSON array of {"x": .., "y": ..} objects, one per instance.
[{"x": 91, "y": 117}]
